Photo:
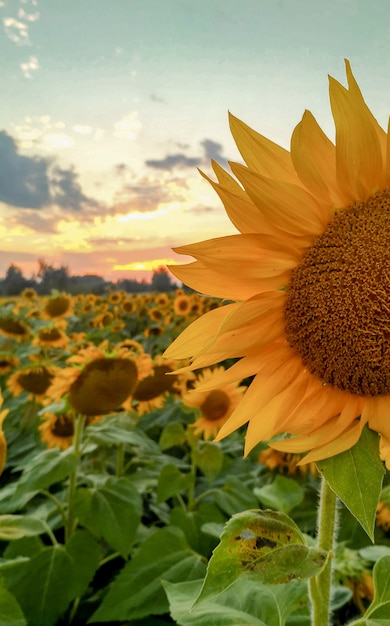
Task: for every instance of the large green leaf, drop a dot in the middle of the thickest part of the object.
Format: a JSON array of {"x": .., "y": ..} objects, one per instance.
[
  {"x": 112, "y": 511},
  {"x": 356, "y": 476},
  {"x": 246, "y": 603},
  {"x": 10, "y": 612},
  {"x": 208, "y": 457},
  {"x": 45, "y": 469},
  {"x": 17, "y": 526},
  {"x": 172, "y": 481},
  {"x": 266, "y": 546},
  {"x": 137, "y": 591},
  {"x": 85, "y": 550},
  {"x": 45, "y": 587},
  {"x": 282, "y": 495},
  {"x": 235, "y": 497}
]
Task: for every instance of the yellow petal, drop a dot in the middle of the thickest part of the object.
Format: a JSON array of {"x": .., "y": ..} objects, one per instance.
[
  {"x": 289, "y": 207},
  {"x": 253, "y": 256},
  {"x": 345, "y": 441},
  {"x": 193, "y": 338},
  {"x": 231, "y": 287},
  {"x": 359, "y": 159},
  {"x": 314, "y": 158},
  {"x": 261, "y": 154}
]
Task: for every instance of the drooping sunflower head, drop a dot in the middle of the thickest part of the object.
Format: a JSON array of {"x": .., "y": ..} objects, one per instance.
[
  {"x": 58, "y": 306},
  {"x": 35, "y": 378},
  {"x": 98, "y": 381},
  {"x": 150, "y": 393},
  {"x": 52, "y": 337},
  {"x": 8, "y": 361},
  {"x": 306, "y": 280},
  {"x": 12, "y": 326}
]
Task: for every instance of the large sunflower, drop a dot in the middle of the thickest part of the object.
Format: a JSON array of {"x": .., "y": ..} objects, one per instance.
[{"x": 309, "y": 277}]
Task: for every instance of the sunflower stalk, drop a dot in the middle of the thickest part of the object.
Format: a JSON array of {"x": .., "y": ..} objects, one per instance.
[
  {"x": 79, "y": 421},
  {"x": 320, "y": 585}
]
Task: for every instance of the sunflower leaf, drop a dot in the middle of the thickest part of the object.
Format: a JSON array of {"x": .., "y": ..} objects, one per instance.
[
  {"x": 10, "y": 612},
  {"x": 112, "y": 511},
  {"x": 265, "y": 546},
  {"x": 137, "y": 591},
  {"x": 356, "y": 476},
  {"x": 246, "y": 602}
]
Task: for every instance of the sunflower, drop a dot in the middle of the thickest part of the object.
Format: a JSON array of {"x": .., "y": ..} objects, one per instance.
[
  {"x": 308, "y": 281},
  {"x": 98, "y": 381},
  {"x": 51, "y": 337},
  {"x": 57, "y": 429},
  {"x": 11, "y": 326},
  {"x": 286, "y": 463},
  {"x": 151, "y": 392},
  {"x": 182, "y": 305},
  {"x": 29, "y": 293},
  {"x": 58, "y": 306},
  {"x": 35, "y": 378},
  {"x": 8, "y": 361},
  {"x": 216, "y": 404}
]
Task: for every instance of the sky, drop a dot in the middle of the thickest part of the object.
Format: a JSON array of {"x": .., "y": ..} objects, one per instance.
[{"x": 109, "y": 108}]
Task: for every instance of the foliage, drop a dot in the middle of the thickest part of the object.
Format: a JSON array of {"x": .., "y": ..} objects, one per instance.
[{"x": 143, "y": 523}]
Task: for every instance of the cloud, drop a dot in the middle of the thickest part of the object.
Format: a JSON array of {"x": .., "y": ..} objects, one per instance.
[
  {"x": 16, "y": 31},
  {"x": 24, "y": 181},
  {"x": 211, "y": 150},
  {"x": 173, "y": 161},
  {"x": 146, "y": 195},
  {"x": 128, "y": 126},
  {"x": 67, "y": 192},
  {"x": 32, "y": 182},
  {"x": 30, "y": 66}
]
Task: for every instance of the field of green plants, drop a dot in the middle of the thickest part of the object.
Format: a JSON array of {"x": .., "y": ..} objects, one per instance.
[{"x": 116, "y": 505}]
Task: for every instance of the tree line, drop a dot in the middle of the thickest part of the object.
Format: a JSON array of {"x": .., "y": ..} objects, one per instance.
[{"x": 49, "y": 278}]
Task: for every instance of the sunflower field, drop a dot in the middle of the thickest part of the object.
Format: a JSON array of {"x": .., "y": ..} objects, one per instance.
[{"x": 116, "y": 504}]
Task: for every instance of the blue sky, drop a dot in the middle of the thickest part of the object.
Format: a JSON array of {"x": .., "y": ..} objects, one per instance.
[{"x": 109, "y": 107}]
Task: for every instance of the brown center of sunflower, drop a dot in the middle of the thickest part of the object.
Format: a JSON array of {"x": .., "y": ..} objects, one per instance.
[
  {"x": 215, "y": 406},
  {"x": 153, "y": 386},
  {"x": 103, "y": 385},
  {"x": 338, "y": 301},
  {"x": 63, "y": 426},
  {"x": 36, "y": 380},
  {"x": 57, "y": 306}
]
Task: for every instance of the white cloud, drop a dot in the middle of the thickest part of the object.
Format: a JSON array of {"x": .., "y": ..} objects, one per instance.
[
  {"x": 82, "y": 129},
  {"x": 58, "y": 140},
  {"x": 30, "y": 66},
  {"x": 16, "y": 31},
  {"x": 128, "y": 126}
]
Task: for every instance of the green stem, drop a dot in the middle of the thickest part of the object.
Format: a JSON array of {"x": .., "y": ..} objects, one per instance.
[
  {"x": 79, "y": 421},
  {"x": 320, "y": 586},
  {"x": 120, "y": 459}
]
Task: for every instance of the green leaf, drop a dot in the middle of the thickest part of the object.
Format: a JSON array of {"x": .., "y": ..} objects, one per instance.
[
  {"x": 172, "y": 482},
  {"x": 10, "y": 612},
  {"x": 112, "y": 511},
  {"x": 235, "y": 497},
  {"x": 209, "y": 458},
  {"x": 266, "y": 546},
  {"x": 17, "y": 526},
  {"x": 173, "y": 434},
  {"x": 137, "y": 591},
  {"x": 45, "y": 589},
  {"x": 247, "y": 603},
  {"x": 356, "y": 476},
  {"x": 84, "y": 549},
  {"x": 45, "y": 469},
  {"x": 380, "y": 605},
  {"x": 282, "y": 495}
]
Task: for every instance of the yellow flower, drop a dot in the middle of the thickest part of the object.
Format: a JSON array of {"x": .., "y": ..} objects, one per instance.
[
  {"x": 216, "y": 405},
  {"x": 57, "y": 430},
  {"x": 98, "y": 382},
  {"x": 151, "y": 392},
  {"x": 11, "y": 326},
  {"x": 35, "y": 378},
  {"x": 58, "y": 306},
  {"x": 309, "y": 283},
  {"x": 7, "y": 362},
  {"x": 51, "y": 337},
  {"x": 383, "y": 516}
]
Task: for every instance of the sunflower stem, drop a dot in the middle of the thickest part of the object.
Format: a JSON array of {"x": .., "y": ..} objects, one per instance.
[
  {"x": 79, "y": 421},
  {"x": 320, "y": 586},
  {"x": 120, "y": 459}
]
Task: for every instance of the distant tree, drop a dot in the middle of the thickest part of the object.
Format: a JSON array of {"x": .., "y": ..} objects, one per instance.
[
  {"x": 14, "y": 281},
  {"x": 51, "y": 277},
  {"x": 161, "y": 280}
]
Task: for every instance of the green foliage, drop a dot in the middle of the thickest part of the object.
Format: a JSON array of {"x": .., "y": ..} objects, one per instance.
[
  {"x": 356, "y": 476},
  {"x": 264, "y": 546},
  {"x": 142, "y": 522}
]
